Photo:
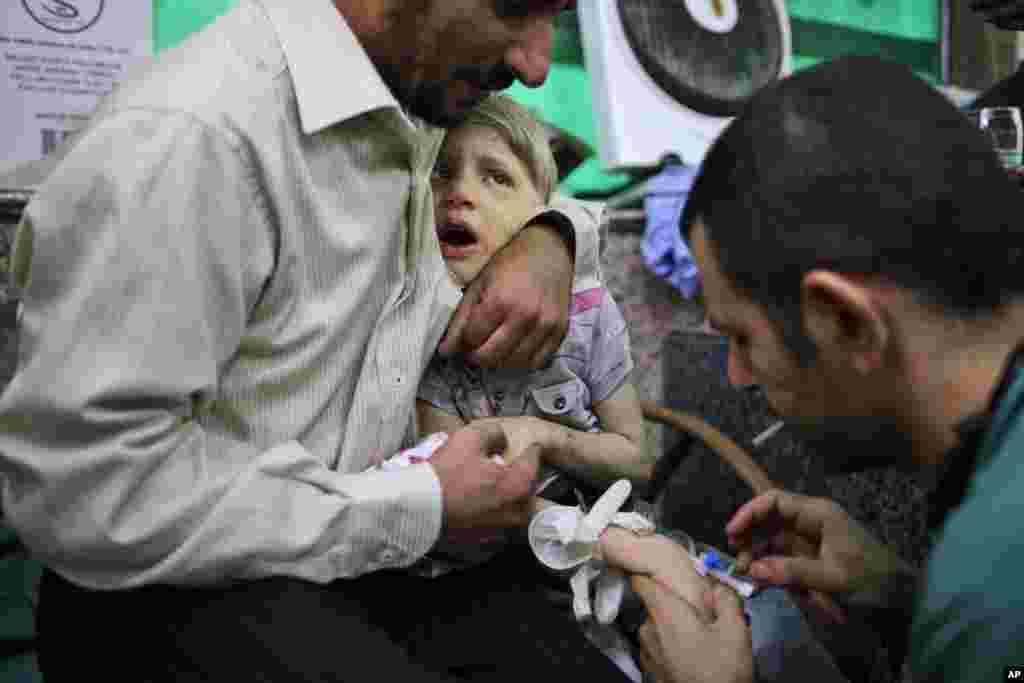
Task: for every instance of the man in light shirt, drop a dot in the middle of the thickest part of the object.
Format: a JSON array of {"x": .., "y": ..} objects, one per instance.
[{"x": 231, "y": 288}]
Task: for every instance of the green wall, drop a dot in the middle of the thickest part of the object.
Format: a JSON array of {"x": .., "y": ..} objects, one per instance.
[
  {"x": 915, "y": 19},
  {"x": 869, "y": 23},
  {"x": 173, "y": 20},
  {"x": 907, "y": 31}
]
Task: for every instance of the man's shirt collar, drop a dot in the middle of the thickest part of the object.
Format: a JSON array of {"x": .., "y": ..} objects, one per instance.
[
  {"x": 333, "y": 75},
  {"x": 960, "y": 463}
]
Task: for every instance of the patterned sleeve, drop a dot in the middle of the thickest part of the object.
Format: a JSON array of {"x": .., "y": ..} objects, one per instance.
[
  {"x": 581, "y": 223},
  {"x": 435, "y": 387},
  {"x": 611, "y": 361}
]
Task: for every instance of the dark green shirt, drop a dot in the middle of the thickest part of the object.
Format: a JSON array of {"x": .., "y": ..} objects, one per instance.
[{"x": 969, "y": 621}]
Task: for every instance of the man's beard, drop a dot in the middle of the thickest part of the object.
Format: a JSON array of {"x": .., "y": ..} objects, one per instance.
[
  {"x": 853, "y": 444},
  {"x": 429, "y": 100}
]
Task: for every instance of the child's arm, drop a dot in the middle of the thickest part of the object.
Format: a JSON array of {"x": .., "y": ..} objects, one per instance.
[
  {"x": 602, "y": 457},
  {"x": 616, "y": 452},
  {"x": 599, "y": 457},
  {"x": 430, "y": 419}
]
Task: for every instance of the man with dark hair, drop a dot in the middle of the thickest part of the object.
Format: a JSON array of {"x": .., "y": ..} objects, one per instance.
[
  {"x": 232, "y": 286},
  {"x": 860, "y": 247}
]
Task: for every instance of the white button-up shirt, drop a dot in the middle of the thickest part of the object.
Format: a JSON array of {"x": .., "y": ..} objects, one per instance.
[{"x": 232, "y": 287}]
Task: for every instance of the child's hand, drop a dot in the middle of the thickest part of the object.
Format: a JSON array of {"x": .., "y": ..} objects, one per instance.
[{"x": 523, "y": 432}]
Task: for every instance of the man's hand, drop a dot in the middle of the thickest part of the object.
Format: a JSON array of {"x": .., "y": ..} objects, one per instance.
[
  {"x": 479, "y": 493},
  {"x": 693, "y": 633},
  {"x": 515, "y": 313},
  {"x": 1004, "y": 14},
  {"x": 525, "y": 431},
  {"x": 659, "y": 558},
  {"x": 677, "y": 646},
  {"x": 813, "y": 545}
]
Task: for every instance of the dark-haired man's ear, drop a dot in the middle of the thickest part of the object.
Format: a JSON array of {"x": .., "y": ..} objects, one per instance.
[{"x": 841, "y": 315}]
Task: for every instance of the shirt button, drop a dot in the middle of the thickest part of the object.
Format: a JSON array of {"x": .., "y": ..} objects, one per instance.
[{"x": 560, "y": 403}]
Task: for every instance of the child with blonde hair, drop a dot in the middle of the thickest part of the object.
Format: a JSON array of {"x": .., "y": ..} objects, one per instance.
[{"x": 493, "y": 172}]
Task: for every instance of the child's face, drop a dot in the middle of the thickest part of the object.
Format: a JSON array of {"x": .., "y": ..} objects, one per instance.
[{"x": 482, "y": 194}]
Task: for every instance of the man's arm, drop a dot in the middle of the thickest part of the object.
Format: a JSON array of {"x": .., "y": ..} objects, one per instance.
[
  {"x": 138, "y": 286},
  {"x": 514, "y": 314}
]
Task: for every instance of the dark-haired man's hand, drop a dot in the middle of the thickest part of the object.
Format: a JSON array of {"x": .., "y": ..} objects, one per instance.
[
  {"x": 1005, "y": 14},
  {"x": 816, "y": 549}
]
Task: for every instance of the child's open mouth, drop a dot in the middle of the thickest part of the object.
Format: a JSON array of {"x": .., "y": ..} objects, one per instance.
[{"x": 457, "y": 240}]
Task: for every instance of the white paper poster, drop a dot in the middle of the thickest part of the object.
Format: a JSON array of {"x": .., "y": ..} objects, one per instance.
[{"x": 58, "y": 58}]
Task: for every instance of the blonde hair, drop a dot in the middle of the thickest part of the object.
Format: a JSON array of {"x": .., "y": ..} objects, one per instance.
[{"x": 525, "y": 134}]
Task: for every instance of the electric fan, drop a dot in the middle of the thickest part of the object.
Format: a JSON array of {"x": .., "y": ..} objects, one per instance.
[{"x": 667, "y": 75}]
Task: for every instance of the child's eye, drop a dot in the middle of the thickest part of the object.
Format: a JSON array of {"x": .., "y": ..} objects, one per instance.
[{"x": 501, "y": 178}]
